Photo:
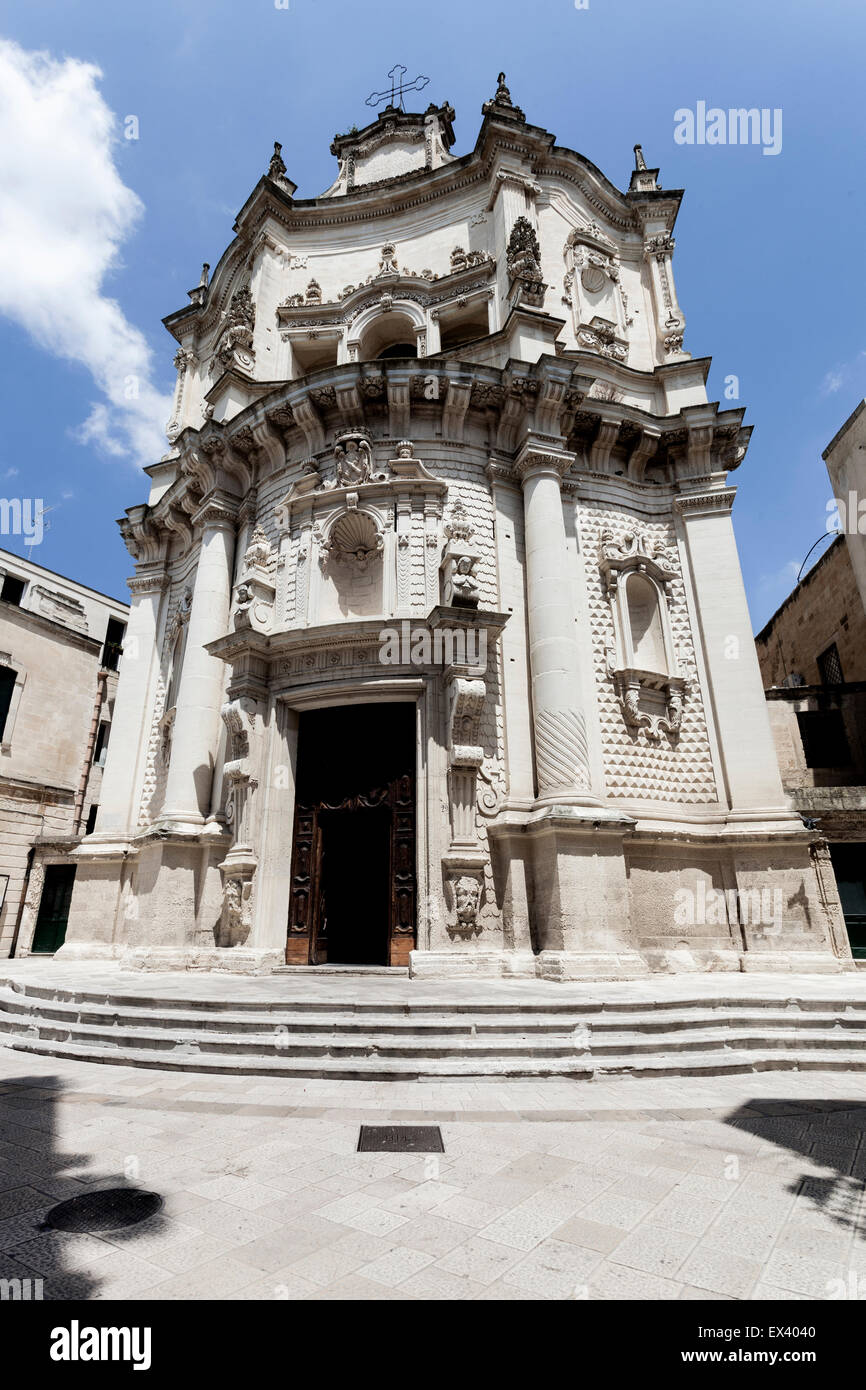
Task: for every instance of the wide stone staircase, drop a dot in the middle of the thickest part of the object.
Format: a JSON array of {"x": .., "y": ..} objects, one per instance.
[{"x": 491, "y": 1034}]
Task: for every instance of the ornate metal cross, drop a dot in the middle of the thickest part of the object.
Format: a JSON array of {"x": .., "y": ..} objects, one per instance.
[{"x": 398, "y": 87}]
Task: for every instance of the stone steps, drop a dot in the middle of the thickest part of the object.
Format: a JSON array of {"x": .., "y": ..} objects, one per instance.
[
  {"x": 402, "y": 1069},
  {"x": 466, "y": 1022},
  {"x": 380, "y": 1039}
]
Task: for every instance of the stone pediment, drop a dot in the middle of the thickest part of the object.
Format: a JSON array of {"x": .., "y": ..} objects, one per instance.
[
  {"x": 469, "y": 271},
  {"x": 355, "y": 480},
  {"x": 397, "y": 143}
]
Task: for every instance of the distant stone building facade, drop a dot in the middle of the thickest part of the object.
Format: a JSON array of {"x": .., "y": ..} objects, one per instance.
[
  {"x": 441, "y": 653},
  {"x": 59, "y": 648},
  {"x": 812, "y": 655}
]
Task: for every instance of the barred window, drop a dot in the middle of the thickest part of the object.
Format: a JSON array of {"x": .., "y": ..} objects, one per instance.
[{"x": 830, "y": 666}]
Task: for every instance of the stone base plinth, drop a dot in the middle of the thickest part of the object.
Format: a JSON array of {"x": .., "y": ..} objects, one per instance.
[
  {"x": 237, "y": 960},
  {"x": 795, "y": 963},
  {"x": 89, "y": 950},
  {"x": 590, "y": 965},
  {"x": 456, "y": 965}
]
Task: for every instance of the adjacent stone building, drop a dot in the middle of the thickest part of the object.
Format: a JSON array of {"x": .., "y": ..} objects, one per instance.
[
  {"x": 812, "y": 655},
  {"x": 59, "y": 648},
  {"x": 442, "y": 655}
]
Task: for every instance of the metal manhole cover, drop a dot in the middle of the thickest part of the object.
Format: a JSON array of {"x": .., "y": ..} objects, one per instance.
[
  {"x": 401, "y": 1139},
  {"x": 112, "y": 1209}
]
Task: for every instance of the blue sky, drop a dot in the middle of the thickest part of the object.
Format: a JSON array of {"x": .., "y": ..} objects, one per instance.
[{"x": 768, "y": 248}]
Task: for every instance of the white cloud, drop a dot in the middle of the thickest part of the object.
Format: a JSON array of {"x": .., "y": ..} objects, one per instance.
[
  {"x": 64, "y": 215},
  {"x": 839, "y": 376}
]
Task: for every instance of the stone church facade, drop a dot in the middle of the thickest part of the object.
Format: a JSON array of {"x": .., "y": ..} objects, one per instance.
[{"x": 439, "y": 652}]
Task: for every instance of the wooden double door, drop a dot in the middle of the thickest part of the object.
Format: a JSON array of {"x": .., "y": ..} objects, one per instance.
[{"x": 353, "y": 852}]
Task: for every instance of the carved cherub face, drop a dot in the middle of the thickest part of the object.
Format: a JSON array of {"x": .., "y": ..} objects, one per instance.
[{"x": 466, "y": 893}]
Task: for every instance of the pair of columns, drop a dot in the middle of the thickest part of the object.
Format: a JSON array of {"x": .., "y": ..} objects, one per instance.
[
  {"x": 195, "y": 734},
  {"x": 734, "y": 692},
  {"x": 196, "y": 729}
]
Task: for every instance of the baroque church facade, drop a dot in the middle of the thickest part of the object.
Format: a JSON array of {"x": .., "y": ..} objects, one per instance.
[{"x": 439, "y": 654}]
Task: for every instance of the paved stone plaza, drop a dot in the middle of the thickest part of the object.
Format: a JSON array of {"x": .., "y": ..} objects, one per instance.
[{"x": 742, "y": 1187}]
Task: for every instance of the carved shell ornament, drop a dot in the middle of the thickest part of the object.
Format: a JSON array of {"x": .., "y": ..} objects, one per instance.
[{"x": 355, "y": 539}]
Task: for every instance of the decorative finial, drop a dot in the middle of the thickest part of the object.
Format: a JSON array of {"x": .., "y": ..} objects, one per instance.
[
  {"x": 276, "y": 168},
  {"x": 502, "y": 102},
  {"x": 639, "y": 161}
]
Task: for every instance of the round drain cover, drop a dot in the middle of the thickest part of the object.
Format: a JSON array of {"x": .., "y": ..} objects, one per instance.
[{"x": 109, "y": 1210}]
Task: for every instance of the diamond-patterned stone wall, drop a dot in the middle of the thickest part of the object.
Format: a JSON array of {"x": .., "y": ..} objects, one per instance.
[{"x": 676, "y": 769}]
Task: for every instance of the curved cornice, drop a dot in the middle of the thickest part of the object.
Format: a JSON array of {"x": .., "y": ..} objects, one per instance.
[
  {"x": 549, "y": 400},
  {"x": 533, "y": 146}
]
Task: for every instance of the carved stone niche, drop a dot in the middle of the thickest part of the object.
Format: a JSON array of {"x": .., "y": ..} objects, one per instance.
[
  {"x": 642, "y": 662},
  {"x": 253, "y": 604},
  {"x": 360, "y": 523},
  {"x": 459, "y": 560},
  {"x": 593, "y": 281},
  {"x": 238, "y": 869},
  {"x": 355, "y": 540}
]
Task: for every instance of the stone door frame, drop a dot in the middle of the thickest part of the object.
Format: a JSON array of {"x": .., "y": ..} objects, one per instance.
[{"x": 431, "y": 836}]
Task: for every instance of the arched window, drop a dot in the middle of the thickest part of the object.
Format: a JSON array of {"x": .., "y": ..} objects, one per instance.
[
  {"x": 399, "y": 350},
  {"x": 390, "y": 334},
  {"x": 645, "y": 623}
]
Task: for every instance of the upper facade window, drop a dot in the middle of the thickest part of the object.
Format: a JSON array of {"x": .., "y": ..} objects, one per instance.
[
  {"x": 12, "y": 590},
  {"x": 113, "y": 644},
  {"x": 8, "y": 678}
]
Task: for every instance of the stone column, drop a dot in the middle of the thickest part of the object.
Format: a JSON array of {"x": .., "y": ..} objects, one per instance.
[
  {"x": 127, "y": 748},
  {"x": 561, "y": 752},
  {"x": 736, "y": 694},
  {"x": 197, "y": 724}
]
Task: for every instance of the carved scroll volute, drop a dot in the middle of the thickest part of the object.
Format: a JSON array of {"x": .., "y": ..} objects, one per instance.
[
  {"x": 241, "y": 774},
  {"x": 240, "y": 770},
  {"x": 466, "y": 698},
  {"x": 651, "y": 699}
]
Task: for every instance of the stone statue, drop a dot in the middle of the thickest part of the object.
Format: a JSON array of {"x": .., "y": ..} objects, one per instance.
[{"x": 276, "y": 168}]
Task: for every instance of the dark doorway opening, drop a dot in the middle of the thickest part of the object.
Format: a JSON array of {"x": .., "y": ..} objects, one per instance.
[
  {"x": 353, "y": 853},
  {"x": 356, "y": 876},
  {"x": 50, "y": 931}
]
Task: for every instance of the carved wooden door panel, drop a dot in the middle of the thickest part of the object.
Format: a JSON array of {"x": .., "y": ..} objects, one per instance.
[
  {"x": 304, "y": 886},
  {"x": 402, "y": 870},
  {"x": 307, "y": 940},
  {"x": 319, "y": 920}
]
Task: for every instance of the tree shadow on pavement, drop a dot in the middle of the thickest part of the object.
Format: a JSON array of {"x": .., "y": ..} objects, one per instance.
[
  {"x": 832, "y": 1135},
  {"x": 35, "y": 1175}
]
